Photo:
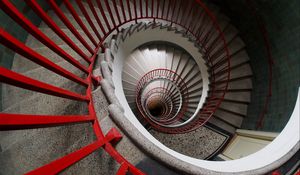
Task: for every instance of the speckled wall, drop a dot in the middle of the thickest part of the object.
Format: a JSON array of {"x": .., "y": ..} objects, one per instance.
[
  {"x": 6, "y": 55},
  {"x": 281, "y": 19}
]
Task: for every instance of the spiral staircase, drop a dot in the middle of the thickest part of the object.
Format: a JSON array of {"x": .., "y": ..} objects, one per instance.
[{"x": 179, "y": 68}]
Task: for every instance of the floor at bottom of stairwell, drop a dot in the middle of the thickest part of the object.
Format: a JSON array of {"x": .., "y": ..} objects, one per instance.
[{"x": 200, "y": 144}]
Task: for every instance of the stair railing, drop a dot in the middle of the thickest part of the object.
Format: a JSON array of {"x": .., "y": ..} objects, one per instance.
[
  {"x": 119, "y": 13},
  {"x": 165, "y": 75}
]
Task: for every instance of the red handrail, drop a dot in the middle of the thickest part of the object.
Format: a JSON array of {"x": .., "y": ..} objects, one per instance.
[
  {"x": 87, "y": 17},
  {"x": 70, "y": 26},
  {"x": 23, "y": 121},
  {"x": 20, "y": 48},
  {"x": 10, "y": 77},
  {"x": 19, "y": 80},
  {"x": 39, "y": 11},
  {"x": 17, "y": 16},
  {"x": 265, "y": 36},
  {"x": 166, "y": 74},
  {"x": 95, "y": 15},
  {"x": 79, "y": 21},
  {"x": 167, "y": 97}
]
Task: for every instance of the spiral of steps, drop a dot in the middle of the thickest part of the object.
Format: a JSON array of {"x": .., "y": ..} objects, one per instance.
[
  {"x": 230, "y": 114},
  {"x": 144, "y": 59},
  {"x": 166, "y": 74},
  {"x": 167, "y": 56},
  {"x": 181, "y": 97}
]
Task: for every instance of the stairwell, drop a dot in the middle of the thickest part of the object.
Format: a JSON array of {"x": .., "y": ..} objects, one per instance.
[{"x": 214, "y": 67}]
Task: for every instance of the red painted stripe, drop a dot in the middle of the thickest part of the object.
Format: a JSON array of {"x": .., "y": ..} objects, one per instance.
[
  {"x": 129, "y": 9},
  {"x": 117, "y": 11},
  {"x": 15, "y": 79},
  {"x": 87, "y": 17},
  {"x": 60, "y": 164},
  {"x": 70, "y": 26},
  {"x": 21, "y": 121},
  {"x": 79, "y": 21},
  {"x": 123, "y": 10},
  {"x": 18, "y": 17},
  {"x": 123, "y": 169},
  {"x": 110, "y": 14},
  {"x": 42, "y": 14},
  {"x": 96, "y": 16},
  {"x": 269, "y": 57},
  {"x": 17, "y": 46}
]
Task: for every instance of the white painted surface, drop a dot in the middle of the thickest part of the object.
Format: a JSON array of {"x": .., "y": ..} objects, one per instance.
[
  {"x": 157, "y": 34},
  {"x": 242, "y": 146}
]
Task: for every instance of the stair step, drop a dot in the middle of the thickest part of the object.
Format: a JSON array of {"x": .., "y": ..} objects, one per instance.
[
  {"x": 20, "y": 61},
  {"x": 57, "y": 20},
  {"x": 33, "y": 43},
  {"x": 230, "y": 118},
  {"x": 217, "y": 122},
  {"x": 45, "y": 104},
  {"x": 25, "y": 150},
  {"x": 237, "y": 108},
  {"x": 241, "y": 71}
]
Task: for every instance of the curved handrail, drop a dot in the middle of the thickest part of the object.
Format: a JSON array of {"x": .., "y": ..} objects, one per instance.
[
  {"x": 167, "y": 74},
  {"x": 90, "y": 57},
  {"x": 166, "y": 96},
  {"x": 265, "y": 36}
]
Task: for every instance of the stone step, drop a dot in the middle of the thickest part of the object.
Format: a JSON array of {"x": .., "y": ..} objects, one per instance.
[
  {"x": 69, "y": 16},
  {"x": 46, "y": 104},
  {"x": 125, "y": 147},
  {"x": 229, "y": 118},
  {"x": 240, "y": 84},
  {"x": 236, "y": 59},
  {"x": 25, "y": 150},
  {"x": 188, "y": 143},
  {"x": 14, "y": 94},
  {"x": 220, "y": 124},
  {"x": 20, "y": 61},
  {"x": 110, "y": 23},
  {"x": 241, "y": 70},
  {"x": 33, "y": 43},
  {"x": 236, "y": 108}
]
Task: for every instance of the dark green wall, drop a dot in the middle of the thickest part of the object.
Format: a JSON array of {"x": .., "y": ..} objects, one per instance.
[
  {"x": 281, "y": 20},
  {"x": 6, "y": 55}
]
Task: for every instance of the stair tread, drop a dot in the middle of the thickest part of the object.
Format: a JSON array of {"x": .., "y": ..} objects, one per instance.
[{"x": 222, "y": 125}]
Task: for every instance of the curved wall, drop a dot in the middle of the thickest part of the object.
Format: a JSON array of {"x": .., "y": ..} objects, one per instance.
[
  {"x": 267, "y": 159},
  {"x": 157, "y": 34},
  {"x": 280, "y": 20}
]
